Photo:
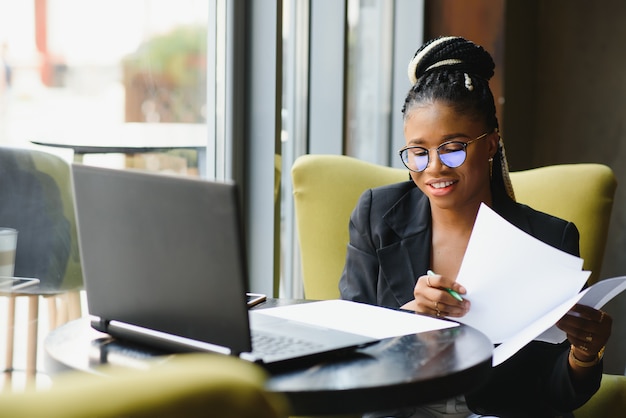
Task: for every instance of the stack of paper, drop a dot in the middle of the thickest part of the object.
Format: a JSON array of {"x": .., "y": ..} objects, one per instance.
[
  {"x": 358, "y": 318},
  {"x": 519, "y": 287}
]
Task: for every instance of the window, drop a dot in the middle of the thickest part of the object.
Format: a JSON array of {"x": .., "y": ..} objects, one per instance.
[
  {"x": 84, "y": 80},
  {"x": 370, "y": 38},
  {"x": 327, "y": 77},
  {"x": 344, "y": 84}
]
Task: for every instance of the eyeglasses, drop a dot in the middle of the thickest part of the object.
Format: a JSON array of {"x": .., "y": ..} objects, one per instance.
[{"x": 452, "y": 154}]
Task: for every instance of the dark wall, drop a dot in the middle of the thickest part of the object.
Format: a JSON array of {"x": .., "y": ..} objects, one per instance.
[
  {"x": 566, "y": 94},
  {"x": 482, "y": 22}
]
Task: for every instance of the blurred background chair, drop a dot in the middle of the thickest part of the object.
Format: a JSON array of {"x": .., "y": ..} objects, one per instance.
[
  {"x": 36, "y": 199},
  {"x": 190, "y": 385},
  {"x": 326, "y": 189}
]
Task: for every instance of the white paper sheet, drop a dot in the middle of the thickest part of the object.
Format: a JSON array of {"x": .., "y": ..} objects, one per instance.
[
  {"x": 596, "y": 297},
  {"x": 527, "y": 334},
  {"x": 519, "y": 287},
  {"x": 513, "y": 279},
  {"x": 358, "y": 318}
]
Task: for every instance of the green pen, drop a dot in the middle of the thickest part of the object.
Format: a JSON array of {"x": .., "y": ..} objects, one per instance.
[{"x": 454, "y": 294}]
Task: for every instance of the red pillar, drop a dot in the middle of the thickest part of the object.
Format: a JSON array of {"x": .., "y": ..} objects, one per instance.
[{"x": 41, "y": 40}]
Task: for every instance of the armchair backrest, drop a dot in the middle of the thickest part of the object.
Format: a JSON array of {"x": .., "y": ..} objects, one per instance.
[
  {"x": 579, "y": 193},
  {"x": 37, "y": 200},
  {"x": 326, "y": 189}
]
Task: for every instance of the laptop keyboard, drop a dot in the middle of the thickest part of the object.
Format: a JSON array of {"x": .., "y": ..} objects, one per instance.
[{"x": 268, "y": 344}]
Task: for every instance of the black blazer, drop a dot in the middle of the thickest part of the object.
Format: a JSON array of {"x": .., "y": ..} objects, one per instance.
[{"x": 389, "y": 248}]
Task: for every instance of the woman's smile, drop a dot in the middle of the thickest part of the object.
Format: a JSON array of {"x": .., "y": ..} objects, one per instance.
[
  {"x": 442, "y": 184},
  {"x": 440, "y": 187}
]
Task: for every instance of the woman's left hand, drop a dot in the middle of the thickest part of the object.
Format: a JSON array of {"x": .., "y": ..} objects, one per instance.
[{"x": 587, "y": 329}]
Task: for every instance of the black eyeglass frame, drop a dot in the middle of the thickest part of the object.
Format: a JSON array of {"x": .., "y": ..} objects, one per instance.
[{"x": 427, "y": 150}]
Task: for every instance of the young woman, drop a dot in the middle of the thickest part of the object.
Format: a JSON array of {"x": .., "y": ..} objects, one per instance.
[{"x": 456, "y": 160}]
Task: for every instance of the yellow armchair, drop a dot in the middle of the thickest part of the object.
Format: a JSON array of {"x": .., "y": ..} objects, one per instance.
[
  {"x": 608, "y": 402},
  {"x": 191, "y": 385},
  {"x": 579, "y": 193},
  {"x": 326, "y": 189}
]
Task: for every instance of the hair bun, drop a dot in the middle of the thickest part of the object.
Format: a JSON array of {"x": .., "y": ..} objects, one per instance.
[{"x": 452, "y": 52}]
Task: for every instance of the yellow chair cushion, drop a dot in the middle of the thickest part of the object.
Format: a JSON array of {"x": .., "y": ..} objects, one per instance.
[
  {"x": 191, "y": 385},
  {"x": 326, "y": 189},
  {"x": 608, "y": 402}
]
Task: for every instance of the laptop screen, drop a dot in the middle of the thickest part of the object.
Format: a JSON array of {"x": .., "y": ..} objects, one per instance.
[{"x": 163, "y": 252}]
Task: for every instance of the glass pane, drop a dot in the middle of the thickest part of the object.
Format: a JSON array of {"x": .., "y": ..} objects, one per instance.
[
  {"x": 294, "y": 118},
  {"x": 369, "y": 79},
  {"x": 107, "y": 73}
]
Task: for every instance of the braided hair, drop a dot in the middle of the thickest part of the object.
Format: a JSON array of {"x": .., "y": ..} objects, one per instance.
[{"x": 457, "y": 71}]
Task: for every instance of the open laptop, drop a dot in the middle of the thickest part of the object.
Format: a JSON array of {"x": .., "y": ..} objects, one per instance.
[{"x": 163, "y": 261}]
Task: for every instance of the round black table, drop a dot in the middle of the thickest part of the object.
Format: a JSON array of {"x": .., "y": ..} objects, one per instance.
[{"x": 393, "y": 373}]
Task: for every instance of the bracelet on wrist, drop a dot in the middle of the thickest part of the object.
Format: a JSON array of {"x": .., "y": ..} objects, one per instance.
[{"x": 589, "y": 363}]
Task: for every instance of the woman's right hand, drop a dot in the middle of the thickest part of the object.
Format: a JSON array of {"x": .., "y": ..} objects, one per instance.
[{"x": 432, "y": 297}]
